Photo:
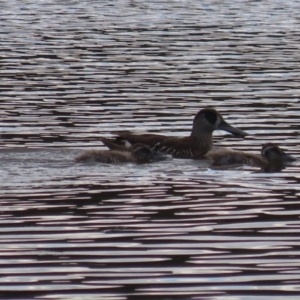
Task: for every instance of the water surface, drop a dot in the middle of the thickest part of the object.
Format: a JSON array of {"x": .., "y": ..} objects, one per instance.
[{"x": 74, "y": 71}]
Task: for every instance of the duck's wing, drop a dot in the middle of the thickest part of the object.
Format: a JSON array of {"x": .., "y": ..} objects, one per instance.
[{"x": 127, "y": 139}]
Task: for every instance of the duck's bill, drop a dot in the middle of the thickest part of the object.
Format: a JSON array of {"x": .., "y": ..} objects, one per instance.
[
  {"x": 288, "y": 158},
  {"x": 235, "y": 131}
]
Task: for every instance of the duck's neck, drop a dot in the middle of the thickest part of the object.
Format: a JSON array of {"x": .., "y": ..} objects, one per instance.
[
  {"x": 204, "y": 141},
  {"x": 203, "y": 134},
  {"x": 201, "y": 129}
]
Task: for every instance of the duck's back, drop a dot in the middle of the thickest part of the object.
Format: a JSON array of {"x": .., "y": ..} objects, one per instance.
[
  {"x": 224, "y": 157},
  {"x": 105, "y": 156},
  {"x": 128, "y": 139}
]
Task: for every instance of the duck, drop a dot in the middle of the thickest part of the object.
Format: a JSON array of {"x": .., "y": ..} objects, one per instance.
[
  {"x": 271, "y": 159},
  {"x": 138, "y": 153},
  {"x": 195, "y": 146}
]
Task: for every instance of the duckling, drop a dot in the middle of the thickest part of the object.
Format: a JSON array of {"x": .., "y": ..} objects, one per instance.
[
  {"x": 194, "y": 146},
  {"x": 272, "y": 158},
  {"x": 139, "y": 153}
]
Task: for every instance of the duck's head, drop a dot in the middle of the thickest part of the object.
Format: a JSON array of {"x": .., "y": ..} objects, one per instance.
[
  {"x": 208, "y": 119},
  {"x": 145, "y": 154},
  {"x": 273, "y": 153}
]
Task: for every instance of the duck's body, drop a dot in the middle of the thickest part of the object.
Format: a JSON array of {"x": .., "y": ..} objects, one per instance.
[
  {"x": 138, "y": 154},
  {"x": 271, "y": 159},
  {"x": 194, "y": 146},
  {"x": 185, "y": 147}
]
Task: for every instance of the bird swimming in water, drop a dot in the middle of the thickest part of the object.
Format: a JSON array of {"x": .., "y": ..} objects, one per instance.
[
  {"x": 139, "y": 153},
  {"x": 194, "y": 146},
  {"x": 271, "y": 159}
]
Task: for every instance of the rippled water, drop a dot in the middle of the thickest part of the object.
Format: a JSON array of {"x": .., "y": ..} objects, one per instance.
[{"x": 74, "y": 71}]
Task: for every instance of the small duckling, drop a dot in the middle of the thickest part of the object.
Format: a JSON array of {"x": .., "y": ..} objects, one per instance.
[
  {"x": 139, "y": 153},
  {"x": 272, "y": 158}
]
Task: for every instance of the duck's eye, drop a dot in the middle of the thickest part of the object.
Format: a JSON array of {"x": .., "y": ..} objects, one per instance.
[{"x": 211, "y": 117}]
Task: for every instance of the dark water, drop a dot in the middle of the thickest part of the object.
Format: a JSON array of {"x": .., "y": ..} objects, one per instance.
[{"x": 73, "y": 71}]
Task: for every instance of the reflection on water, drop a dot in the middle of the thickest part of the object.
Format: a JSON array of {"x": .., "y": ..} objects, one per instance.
[{"x": 175, "y": 229}]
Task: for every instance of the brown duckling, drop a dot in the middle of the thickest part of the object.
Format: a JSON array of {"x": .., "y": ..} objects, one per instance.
[
  {"x": 194, "y": 146},
  {"x": 139, "y": 153},
  {"x": 272, "y": 158}
]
